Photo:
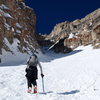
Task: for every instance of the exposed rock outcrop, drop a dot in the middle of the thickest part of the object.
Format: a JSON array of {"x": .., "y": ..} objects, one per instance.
[
  {"x": 17, "y": 27},
  {"x": 83, "y": 31},
  {"x": 17, "y": 21}
]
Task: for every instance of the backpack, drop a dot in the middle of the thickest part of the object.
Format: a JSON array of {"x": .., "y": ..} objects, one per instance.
[{"x": 33, "y": 61}]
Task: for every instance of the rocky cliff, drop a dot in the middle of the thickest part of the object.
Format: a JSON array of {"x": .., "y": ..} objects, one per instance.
[
  {"x": 17, "y": 27},
  {"x": 83, "y": 31}
]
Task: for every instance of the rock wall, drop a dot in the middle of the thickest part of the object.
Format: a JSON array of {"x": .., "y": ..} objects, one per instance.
[
  {"x": 17, "y": 21},
  {"x": 83, "y": 31},
  {"x": 17, "y": 32}
]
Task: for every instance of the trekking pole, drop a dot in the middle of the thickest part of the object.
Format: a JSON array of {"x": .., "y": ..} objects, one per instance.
[{"x": 43, "y": 83}]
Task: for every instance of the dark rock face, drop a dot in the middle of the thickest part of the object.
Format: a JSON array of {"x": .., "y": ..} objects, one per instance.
[
  {"x": 96, "y": 36},
  {"x": 83, "y": 31},
  {"x": 17, "y": 25}
]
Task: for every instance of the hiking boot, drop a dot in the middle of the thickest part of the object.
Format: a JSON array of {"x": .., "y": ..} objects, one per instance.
[
  {"x": 35, "y": 89},
  {"x": 29, "y": 90}
]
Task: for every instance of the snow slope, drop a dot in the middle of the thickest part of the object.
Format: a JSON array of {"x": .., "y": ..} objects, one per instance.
[
  {"x": 16, "y": 57},
  {"x": 73, "y": 76}
]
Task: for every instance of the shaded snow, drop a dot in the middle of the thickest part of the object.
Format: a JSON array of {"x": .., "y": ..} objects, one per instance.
[
  {"x": 16, "y": 57},
  {"x": 12, "y": 29},
  {"x": 18, "y": 31},
  {"x": 1, "y": 11},
  {"x": 3, "y": 6},
  {"x": 73, "y": 76},
  {"x": 12, "y": 59},
  {"x": 18, "y": 25},
  {"x": 71, "y": 36},
  {"x": 53, "y": 45},
  {"x": 7, "y": 26},
  {"x": 7, "y": 15}
]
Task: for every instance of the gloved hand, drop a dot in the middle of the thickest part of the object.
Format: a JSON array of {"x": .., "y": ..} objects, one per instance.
[{"x": 42, "y": 75}]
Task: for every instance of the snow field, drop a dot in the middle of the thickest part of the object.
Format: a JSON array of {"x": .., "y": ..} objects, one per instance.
[{"x": 73, "y": 76}]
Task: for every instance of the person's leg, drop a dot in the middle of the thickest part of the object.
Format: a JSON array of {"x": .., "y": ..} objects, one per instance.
[
  {"x": 34, "y": 83},
  {"x": 35, "y": 86},
  {"x": 34, "y": 80},
  {"x": 29, "y": 85}
]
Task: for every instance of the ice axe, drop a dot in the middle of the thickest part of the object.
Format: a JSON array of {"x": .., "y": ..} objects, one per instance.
[{"x": 42, "y": 81}]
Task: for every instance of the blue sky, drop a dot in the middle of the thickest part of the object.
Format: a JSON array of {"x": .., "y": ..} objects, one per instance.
[{"x": 51, "y": 12}]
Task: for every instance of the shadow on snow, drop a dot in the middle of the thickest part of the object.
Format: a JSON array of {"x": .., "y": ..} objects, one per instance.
[
  {"x": 48, "y": 57},
  {"x": 71, "y": 92},
  {"x": 52, "y": 56},
  {"x": 64, "y": 93}
]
